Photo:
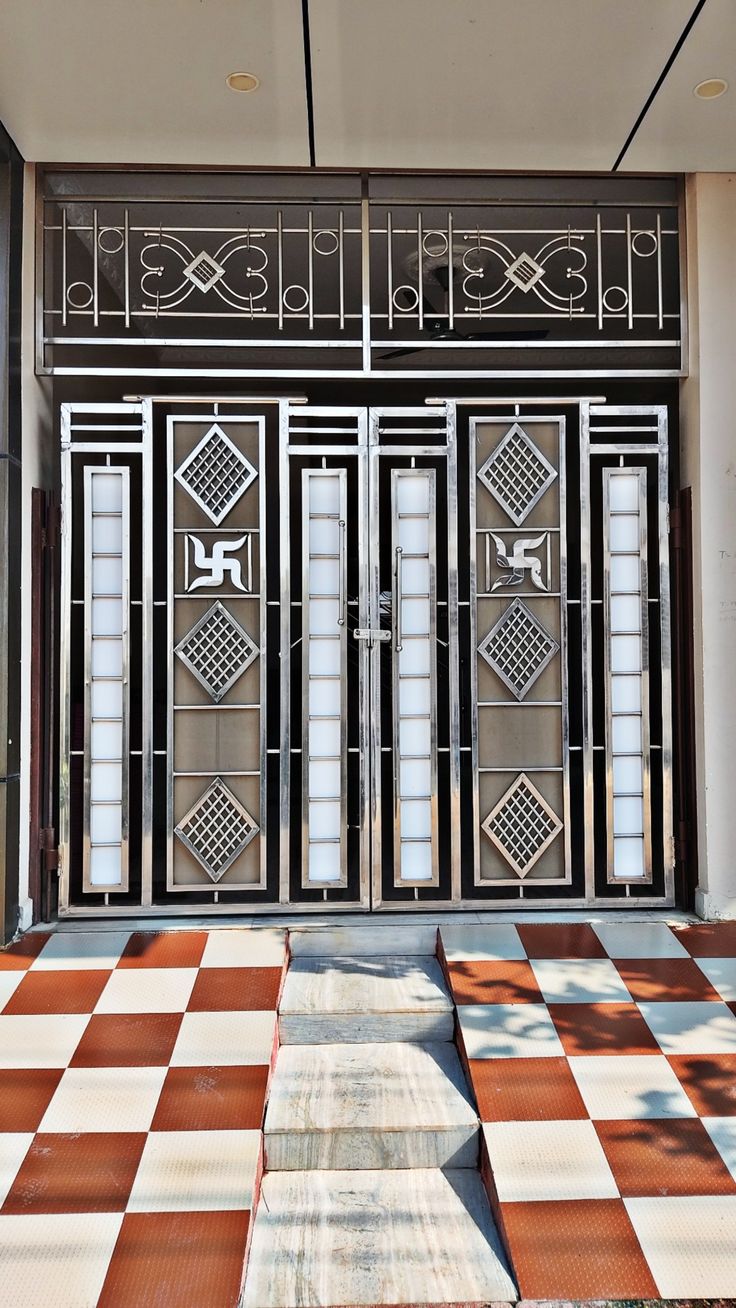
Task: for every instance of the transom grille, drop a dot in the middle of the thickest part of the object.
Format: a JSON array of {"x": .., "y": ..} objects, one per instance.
[
  {"x": 217, "y": 651},
  {"x": 217, "y": 829},
  {"x": 522, "y": 825},
  {"x": 518, "y": 648},
  {"x": 216, "y": 474},
  {"x": 517, "y": 474}
]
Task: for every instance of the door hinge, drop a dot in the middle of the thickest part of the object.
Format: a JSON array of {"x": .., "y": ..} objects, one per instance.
[{"x": 49, "y": 849}]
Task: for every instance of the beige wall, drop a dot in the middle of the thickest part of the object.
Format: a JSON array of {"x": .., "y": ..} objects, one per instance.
[{"x": 708, "y": 415}]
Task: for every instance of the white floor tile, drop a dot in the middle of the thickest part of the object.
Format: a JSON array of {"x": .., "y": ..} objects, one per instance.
[
  {"x": 548, "y": 1160},
  {"x": 40, "y": 1040},
  {"x": 722, "y": 1131},
  {"x": 224, "y": 1039},
  {"x": 147, "y": 990},
  {"x": 14, "y": 1146},
  {"x": 689, "y": 1244},
  {"x": 721, "y": 972},
  {"x": 580, "y": 981},
  {"x": 639, "y": 940},
  {"x": 104, "y": 1099},
  {"x": 196, "y": 1170},
  {"x": 72, "y": 951},
  {"x": 630, "y": 1086},
  {"x": 9, "y": 982},
  {"x": 246, "y": 948},
  {"x": 58, "y": 1259},
  {"x": 692, "y": 1027},
  {"x": 492, "y": 943},
  {"x": 508, "y": 1031}
]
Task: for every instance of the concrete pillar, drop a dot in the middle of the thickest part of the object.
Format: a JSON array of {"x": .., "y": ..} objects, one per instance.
[{"x": 708, "y": 425}]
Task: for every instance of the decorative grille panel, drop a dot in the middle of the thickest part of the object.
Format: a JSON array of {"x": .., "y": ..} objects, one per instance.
[
  {"x": 217, "y": 829},
  {"x": 518, "y": 648},
  {"x": 522, "y": 825},
  {"x": 216, "y": 474},
  {"x": 517, "y": 474},
  {"x": 217, "y": 651}
]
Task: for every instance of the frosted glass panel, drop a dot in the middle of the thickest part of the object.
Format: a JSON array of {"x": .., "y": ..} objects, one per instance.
[
  {"x": 414, "y": 659},
  {"x": 416, "y": 818},
  {"x": 324, "y": 494},
  {"x": 626, "y": 733},
  {"x": 414, "y": 535},
  {"x": 107, "y": 535},
  {"x": 105, "y": 823},
  {"x": 324, "y": 863},
  {"x": 628, "y": 816},
  {"x": 415, "y": 776},
  {"x": 412, "y": 494},
  {"x": 107, "y": 699},
  {"x": 414, "y": 696},
  {"x": 625, "y": 572},
  {"x": 324, "y": 536},
  {"x": 628, "y": 775},
  {"x": 106, "y": 740},
  {"x": 324, "y": 657},
  {"x": 628, "y": 857},
  {"x": 324, "y": 739},
  {"x": 625, "y": 653},
  {"x": 107, "y": 576},
  {"x": 416, "y": 861},
  {"x": 624, "y": 493},
  {"x": 324, "y": 697},
  {"x": 105, "y": 865},
  {"x": 324, "y": 821},
  {"x": 415, "y": 617},
  {"x": 625, "y": 613},
  {"x": 324, "y": 577},
  {"x": 324, "y": 779},
  {"x": 626, "y": 694},
  {"x": 107, "y": 658},
  {"x": 415, "y": 577},
  {"x": 624, "y": 532},
  {"x": 107, "y": 617},
  {"x": 106, "y": 782},
  {"x": 414, "y": 736},
  {"x": 323, "y": 616},
  {"x": 107, "y": 492}
]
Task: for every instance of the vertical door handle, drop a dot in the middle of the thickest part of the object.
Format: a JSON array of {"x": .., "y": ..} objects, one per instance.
[
  {"x": 342, "y": 586},
  {"x": 397, "y": 599}
]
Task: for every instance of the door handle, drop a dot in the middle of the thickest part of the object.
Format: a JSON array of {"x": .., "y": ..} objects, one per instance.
[
  {"x": 342, "y": 584},
  {"x": 398, "y": 554}
]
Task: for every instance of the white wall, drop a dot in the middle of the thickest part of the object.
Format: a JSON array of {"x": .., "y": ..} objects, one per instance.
[
  {"x": 37, "y": 470},
  {"x": 708, "y": 415}
]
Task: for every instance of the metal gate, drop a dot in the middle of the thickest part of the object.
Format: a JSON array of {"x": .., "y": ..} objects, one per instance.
[{"x": 351, "y": 657}]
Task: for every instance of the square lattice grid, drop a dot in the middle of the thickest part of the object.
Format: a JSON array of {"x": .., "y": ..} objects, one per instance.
[
  {"x": 216, "y": 474},
  {"x": 517, "y": 474},
  {"x": 518, "y": 648},
  {"x": 522, "y": 825},
  {"x": 217, "y": 829},
  {"x": 217, "y": 651}
]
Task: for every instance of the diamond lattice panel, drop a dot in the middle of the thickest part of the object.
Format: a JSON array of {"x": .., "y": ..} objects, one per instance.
[
  {"x": 518, "y": 648},
  {"x": 217, "y": 651},
  {"x": 217, "y": 829},
  {"x": 522, "y": 825},
  {"x": 517, "y": 474},
  {"x": 216, "y": 474}
]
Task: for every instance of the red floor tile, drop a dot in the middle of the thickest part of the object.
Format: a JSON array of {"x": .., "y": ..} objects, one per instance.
[
  {"x": 25, "y": 1094},
  {"x": 709, "y": 939},
  {"x": 164, "y": 949},
  {"x": 602, "y": 1029},
  {"x": 478, "y": 981},
  {"x": 18, "y": 957},
  {"x": 235, "y": 989},
  {"x": 667, "y": 979},
  {"x": 667, "y": 1157},
  {"x": 525, "y": 1090},
  {"x": 212, "y": 1099},
  {"x": 127, "y": 1040},
  {"x": 91, "y": 1172},
  {"x": 709, "y": 1081},
  {"x": 177, "y": 1260},
  {"x": 560, "y": 940},
  {"x": 57, "y": 992},
  {"x": 576, "y": 1249}
]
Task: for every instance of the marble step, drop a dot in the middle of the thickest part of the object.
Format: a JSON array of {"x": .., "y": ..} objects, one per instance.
[
  {"x": 369, "y": 1106},
  {"x": 417, "y": 1236},
  {"x": 369, "y": 938},
  {"x": 360, "y": 1000}
]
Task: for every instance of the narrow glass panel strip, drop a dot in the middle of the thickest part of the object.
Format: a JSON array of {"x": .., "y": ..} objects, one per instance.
[
  {"x": 324, "y": 676},
  {"x": 626, "y": 675},
  {"x": 106, "y": 678},
  {"x": 414, "y": 645}
]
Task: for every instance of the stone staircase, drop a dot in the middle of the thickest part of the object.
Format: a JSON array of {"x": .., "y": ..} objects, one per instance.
[{"x": 371, "y": 1193}]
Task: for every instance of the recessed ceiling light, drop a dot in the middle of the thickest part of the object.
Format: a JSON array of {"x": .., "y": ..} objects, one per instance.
[
  {"x": 711, "y": 89},
  {"x": 243, "y": 81}
]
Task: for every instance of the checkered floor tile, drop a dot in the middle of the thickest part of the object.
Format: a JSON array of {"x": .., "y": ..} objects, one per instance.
[
  {"x": 603, "y": 1060},
  {"x": 133, "y": 1076}
]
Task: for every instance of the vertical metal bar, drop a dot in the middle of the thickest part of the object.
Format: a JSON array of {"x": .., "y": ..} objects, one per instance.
[
  {"x": 127, "y": 267},
  {"x": 564, "y": 677},
  {"x": 341, "y": 266},
  {"x": 420, "y": 271},
  {"x": 95, "y": 269},
  {"x": 390, "y": 270},
  {"x": 280, "y": 265},
  {"x": 285, "y": 652},
  {"x": 374, "y": 716},
  {"x": 170, "y": 546},
  {"x": 365, "y": 222},
  {"x": 310, "y": 267},
  {"x": 586, "y": 611},
  {"x": 454, "y": 644},
  {"x": 660, "y": 314},
  {"x": 450, "y": 273},
  {"x": 365, "y": 663},
  {"x": 599, "y": 249},
  {"x": 473, "y": 652},
  {"x": 263, "y": 615},
  {"x": 64, "y": 313},
  {"x": 629, "y": 276},
  {"x": 666, "y": 652},
  {"x": 147, "y": 654},
  {"x": 65, "y": 612}
]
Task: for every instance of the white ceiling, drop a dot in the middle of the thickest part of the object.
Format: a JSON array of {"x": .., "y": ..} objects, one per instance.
[{"x": 486, "y": 84}]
